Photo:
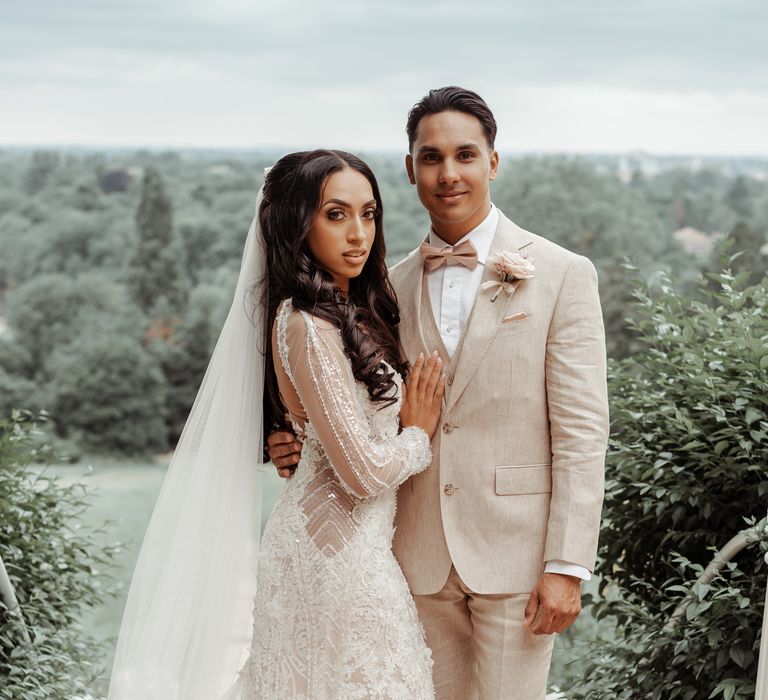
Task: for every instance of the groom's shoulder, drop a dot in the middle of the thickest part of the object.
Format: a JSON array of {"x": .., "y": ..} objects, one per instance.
[
  {"x": 544, "y": 249},
  {"x": 398, "y": 270}
]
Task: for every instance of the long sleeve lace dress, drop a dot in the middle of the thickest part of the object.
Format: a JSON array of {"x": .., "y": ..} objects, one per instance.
[{"x": 333, "y": 616}]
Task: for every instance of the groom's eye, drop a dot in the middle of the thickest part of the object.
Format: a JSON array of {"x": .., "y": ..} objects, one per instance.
[
  {"x": 466, "y": 155},
  {"x": 430, "y": 157}
]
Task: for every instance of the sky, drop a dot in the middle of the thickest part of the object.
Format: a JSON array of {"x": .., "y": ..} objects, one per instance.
[{"x": 660, "y": 76}]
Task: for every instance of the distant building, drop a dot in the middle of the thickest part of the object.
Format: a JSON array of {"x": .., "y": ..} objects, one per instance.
[
  {"x": 624, "y": 170},
  {"x": 115, "y": 181},
  {"x": 220, "y": 170},
  {"x": 695, "y": 242},
  {"x": 632, "y": 164}
]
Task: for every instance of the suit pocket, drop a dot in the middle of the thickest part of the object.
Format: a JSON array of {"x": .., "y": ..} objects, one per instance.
[
  {"x": 517, "y": 316},
  {"x": 516, "y": 480},
  {"x": 516, "y": 326}
]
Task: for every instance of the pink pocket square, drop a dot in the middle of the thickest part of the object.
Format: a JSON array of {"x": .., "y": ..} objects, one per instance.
[{"x": 519, "y": 316}]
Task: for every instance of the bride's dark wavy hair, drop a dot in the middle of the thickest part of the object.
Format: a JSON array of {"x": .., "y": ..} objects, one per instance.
[{"x": 367, "y": 316}]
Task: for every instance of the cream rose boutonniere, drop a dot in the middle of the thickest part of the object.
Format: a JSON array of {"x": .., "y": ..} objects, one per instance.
[{"x": 512, "y": 268}]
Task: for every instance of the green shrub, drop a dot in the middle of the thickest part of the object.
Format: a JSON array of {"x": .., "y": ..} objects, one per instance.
[
  {"x": 687, "y": 469},
  {"x": 55, "y": 569},
  {"x": 111, "y": 393},
  {"x": 50, "y": 310},
  {"x": 17, "y": 391}
]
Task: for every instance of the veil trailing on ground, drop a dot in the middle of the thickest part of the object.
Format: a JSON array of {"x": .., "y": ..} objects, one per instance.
[{"x": 187, "y": 620}]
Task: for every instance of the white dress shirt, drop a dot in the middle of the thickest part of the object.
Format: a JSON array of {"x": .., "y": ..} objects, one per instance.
[{"x": 452, "y": 292}]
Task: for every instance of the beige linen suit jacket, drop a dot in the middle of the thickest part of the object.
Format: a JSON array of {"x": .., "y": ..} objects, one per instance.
[{"x": 518, "y": 468}]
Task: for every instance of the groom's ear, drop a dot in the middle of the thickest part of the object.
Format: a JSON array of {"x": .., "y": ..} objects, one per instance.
[
  {"x": 494, "y": 165},
  {"x": 409, "y": 169}
]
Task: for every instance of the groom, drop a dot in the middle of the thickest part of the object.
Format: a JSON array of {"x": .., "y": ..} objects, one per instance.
[{"x": 496, "y": 535}]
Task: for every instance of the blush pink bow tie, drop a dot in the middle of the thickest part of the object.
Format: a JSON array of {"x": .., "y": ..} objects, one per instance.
[{"x": 462, "y": 254}]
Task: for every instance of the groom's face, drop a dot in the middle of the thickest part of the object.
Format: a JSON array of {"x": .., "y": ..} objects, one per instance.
[{"x": 452, "y": 164}]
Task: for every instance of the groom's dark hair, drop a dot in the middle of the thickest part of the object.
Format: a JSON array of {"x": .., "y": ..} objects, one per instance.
[{"x": 451, "y": 99}]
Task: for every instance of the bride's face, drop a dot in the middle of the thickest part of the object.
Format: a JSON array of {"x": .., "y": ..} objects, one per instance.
[{"x": 342, "y": 234}]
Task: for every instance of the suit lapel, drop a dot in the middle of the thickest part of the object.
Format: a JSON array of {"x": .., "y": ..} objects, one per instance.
[{"x": 486, "y": 317}]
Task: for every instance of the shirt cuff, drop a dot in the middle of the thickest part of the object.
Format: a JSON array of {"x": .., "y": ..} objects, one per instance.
[{"x": 558, "y": 566}]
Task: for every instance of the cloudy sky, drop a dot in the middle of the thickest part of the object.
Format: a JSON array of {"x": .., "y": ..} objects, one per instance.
[{"x": 664, "y": 76}]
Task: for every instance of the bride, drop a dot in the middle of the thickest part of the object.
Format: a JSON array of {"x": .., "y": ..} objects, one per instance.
[{"x": 332, "y": 616}]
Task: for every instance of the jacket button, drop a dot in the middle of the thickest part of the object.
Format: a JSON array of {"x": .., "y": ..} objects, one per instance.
[
  {"x": 449, "y": 489},
  {"x": 449, "y": 381},
  {"x": 447, "y": 427}
]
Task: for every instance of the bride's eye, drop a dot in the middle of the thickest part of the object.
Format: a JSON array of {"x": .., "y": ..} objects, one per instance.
[
  {"x": 369, "y": 214},
  {"x": 335, "y": 214}
]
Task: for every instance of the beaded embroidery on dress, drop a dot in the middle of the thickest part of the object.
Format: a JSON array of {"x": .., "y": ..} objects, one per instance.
[{"x": 333, "y": 616}]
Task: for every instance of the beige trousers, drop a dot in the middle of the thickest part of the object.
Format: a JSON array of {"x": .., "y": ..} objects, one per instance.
[{"x": 479, "y": 645}]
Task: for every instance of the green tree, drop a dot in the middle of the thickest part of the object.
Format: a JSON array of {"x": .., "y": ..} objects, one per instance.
[
  {"x": 158, "y": 269},
  {"x": 739, "y": 198},
  {"x": 109, "y": 394},
  {"x": 17, "y": 245},
  {"x": 685, "y": 198},
  {"x": 41, "y": 168},
  {"x": 617, "y": 285},
  {"x": 18, "y": 391},
  {"x": 570, "y": 202},
  {"x": 50, "y": 310}
]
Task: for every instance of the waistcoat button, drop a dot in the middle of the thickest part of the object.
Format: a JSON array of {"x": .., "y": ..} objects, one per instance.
[
  {"x": 449, "y": 489},
  {"x": 447, "y": 427}
]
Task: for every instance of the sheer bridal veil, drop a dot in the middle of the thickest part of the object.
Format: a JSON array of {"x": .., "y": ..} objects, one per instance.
[{"x": 187, "y": 620}]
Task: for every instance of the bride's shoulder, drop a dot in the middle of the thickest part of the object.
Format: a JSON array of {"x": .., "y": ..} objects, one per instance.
[{"x": 295, "y": 321}]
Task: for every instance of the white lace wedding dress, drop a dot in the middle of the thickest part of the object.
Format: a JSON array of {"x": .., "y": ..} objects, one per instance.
[{"x": 333, "y": 616}]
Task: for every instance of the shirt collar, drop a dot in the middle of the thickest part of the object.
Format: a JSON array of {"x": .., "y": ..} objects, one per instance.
[{"x": 481, "y": 236}]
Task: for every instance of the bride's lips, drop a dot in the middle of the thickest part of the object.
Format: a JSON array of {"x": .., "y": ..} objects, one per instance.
[
  {"x": 450, "y": 197},
  {"x": 355, "y": 256}
]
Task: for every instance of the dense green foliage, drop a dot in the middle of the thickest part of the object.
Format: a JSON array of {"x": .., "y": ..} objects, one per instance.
[
  {"x": 112, "y": 393},
  {"x": 157, "y": 272},
  {"x": 140, "y": 251},
  {"x": 687, "y": 469},
  {"x": 56, "y": 571}
]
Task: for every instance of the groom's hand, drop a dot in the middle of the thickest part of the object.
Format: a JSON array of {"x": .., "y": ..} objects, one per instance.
[
  {"x": 554, "y": 604},
  {"x": 284, "y": 451}
]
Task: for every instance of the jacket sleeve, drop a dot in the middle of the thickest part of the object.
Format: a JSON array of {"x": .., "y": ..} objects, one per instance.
[{"x": 577, "y": 400}]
